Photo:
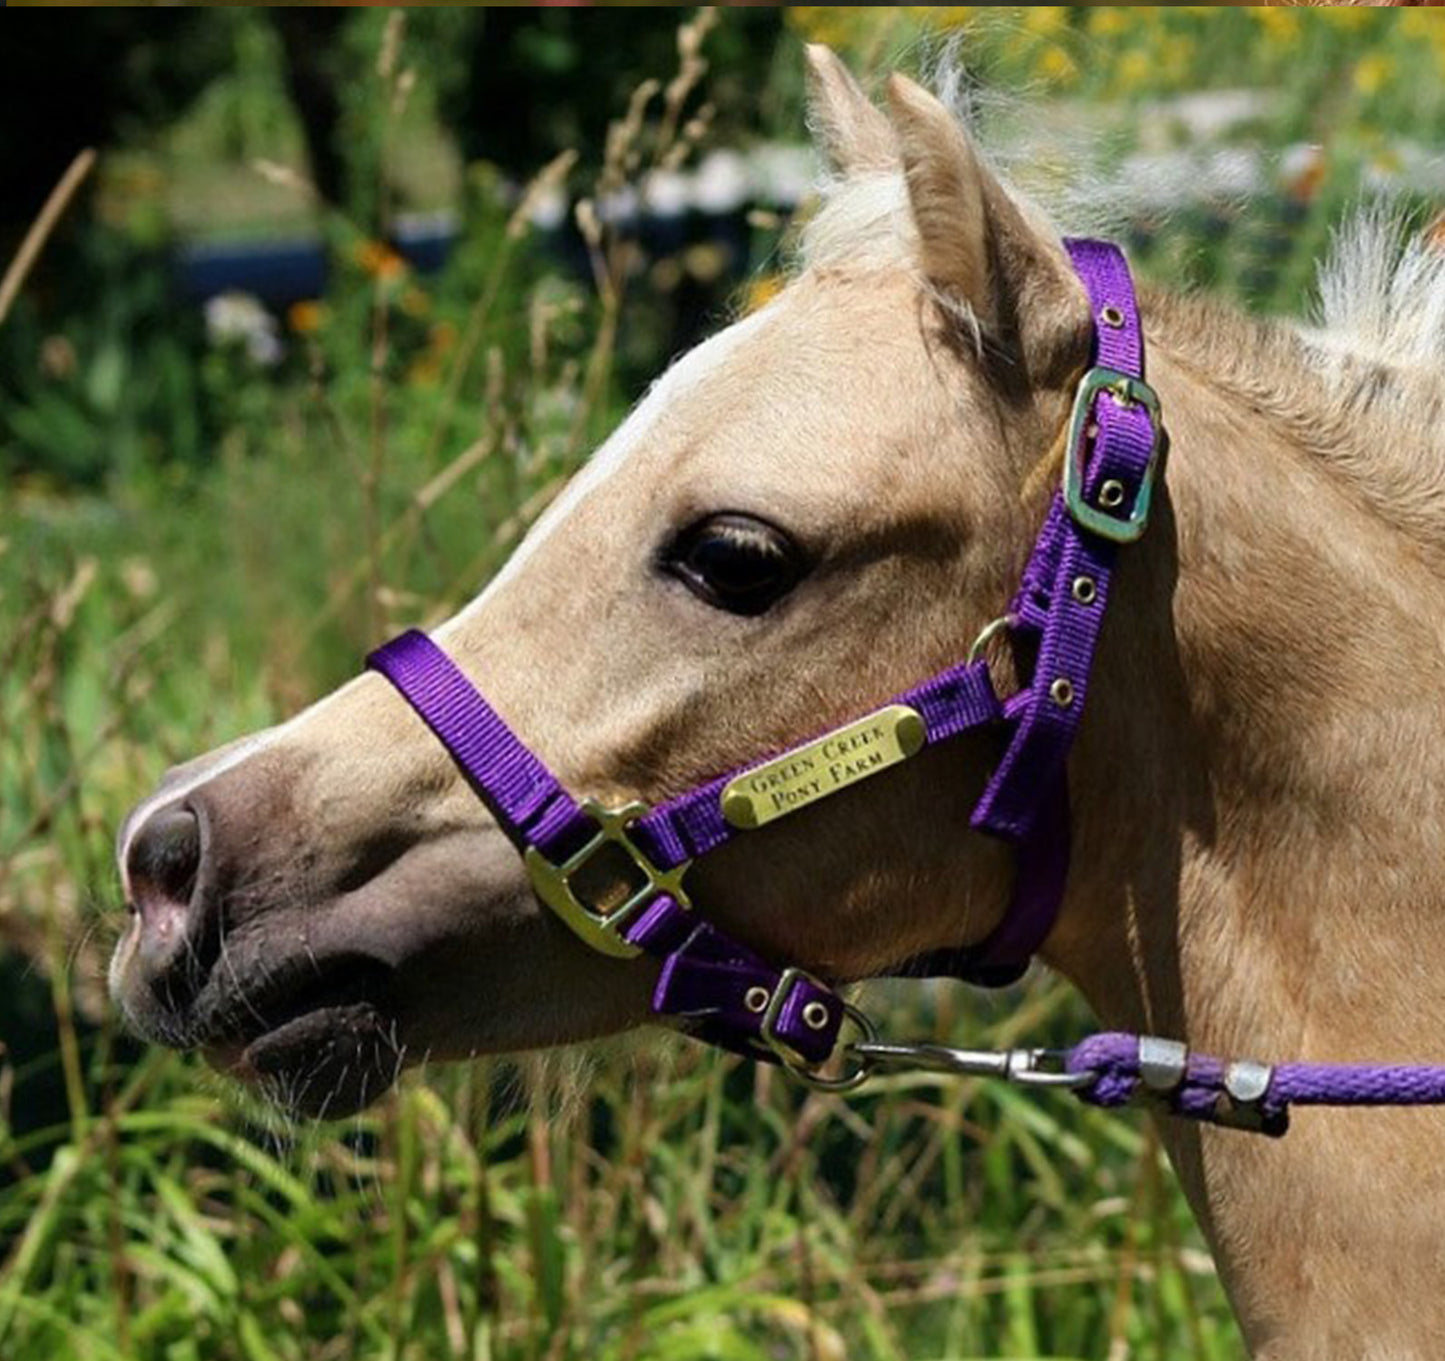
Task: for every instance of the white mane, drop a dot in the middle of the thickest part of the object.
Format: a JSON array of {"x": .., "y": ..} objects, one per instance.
[
  {"x": 860, "y": 220},
  {"x": 1382, "y": 293}
]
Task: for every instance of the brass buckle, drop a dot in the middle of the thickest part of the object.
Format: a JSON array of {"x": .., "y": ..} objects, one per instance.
[
  {"x": 1127, "y": 391},
  {"x": 601, "y": 927},
  {"x": 810, "y": 1074}
]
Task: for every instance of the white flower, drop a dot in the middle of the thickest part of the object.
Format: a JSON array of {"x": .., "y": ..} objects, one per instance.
[{"x": 240, "y": 318}]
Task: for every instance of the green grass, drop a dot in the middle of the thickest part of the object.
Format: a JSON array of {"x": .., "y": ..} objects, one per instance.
[
  {"x": 684, "y": 1206},
  {"x": 666, "y": 1202}
]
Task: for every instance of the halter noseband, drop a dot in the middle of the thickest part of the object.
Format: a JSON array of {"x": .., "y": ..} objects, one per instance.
[{"x": 722, "y": 991}]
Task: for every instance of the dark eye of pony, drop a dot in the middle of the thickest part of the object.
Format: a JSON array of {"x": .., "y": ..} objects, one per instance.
[{"x": 735, "y": 562}]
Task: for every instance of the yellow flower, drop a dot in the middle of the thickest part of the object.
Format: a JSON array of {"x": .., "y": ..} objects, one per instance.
[
  {"x": 1133, "y": 70},
  {"x": 1108, "y": 21},
  {"x": 760, "y": 291},
  {"x": 1372, "y": 72},
  {"x": 379, "y": 260},
  {"x": 306, "y": 317},
  {"x": 1046, "y": 21},
  {"x": 1280, "y": 24},
  {"x": 1057, "y": 65}
]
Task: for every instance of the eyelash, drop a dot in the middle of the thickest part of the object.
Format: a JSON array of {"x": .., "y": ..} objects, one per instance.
[{"x": 775, "y": 560}]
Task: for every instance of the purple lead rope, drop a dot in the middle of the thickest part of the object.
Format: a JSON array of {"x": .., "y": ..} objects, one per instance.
[{"x": 1116, "y": 1069}]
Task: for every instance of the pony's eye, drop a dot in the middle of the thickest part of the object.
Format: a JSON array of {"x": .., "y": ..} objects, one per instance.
[{"x": 735, "y": 562}]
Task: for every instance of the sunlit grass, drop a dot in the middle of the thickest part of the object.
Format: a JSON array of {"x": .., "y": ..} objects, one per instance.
[{"x": 685, "y": 1206}]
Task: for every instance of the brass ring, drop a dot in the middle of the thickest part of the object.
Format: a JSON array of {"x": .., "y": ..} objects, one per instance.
[{"x": 988, "y": 633}]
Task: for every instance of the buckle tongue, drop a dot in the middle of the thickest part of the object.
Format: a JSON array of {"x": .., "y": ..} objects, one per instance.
[
  {"x": 602, "y": 927},
  {"x": 1127, "y": 391}
]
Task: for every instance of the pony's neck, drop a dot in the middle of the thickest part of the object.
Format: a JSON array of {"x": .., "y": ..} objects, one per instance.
[{"x": 1259, "y": 797}]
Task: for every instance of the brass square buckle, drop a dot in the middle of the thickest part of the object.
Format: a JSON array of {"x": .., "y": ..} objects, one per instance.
[
  {"x": 1127, "y": 391},
  {"x": 602, "y": 927}
]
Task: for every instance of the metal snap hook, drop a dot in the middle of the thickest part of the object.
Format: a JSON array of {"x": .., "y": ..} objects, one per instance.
[{"x": 1023, "y": 1067}]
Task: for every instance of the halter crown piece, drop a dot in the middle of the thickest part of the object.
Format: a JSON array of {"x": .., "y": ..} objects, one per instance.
[{"x": 723, "y": 992}]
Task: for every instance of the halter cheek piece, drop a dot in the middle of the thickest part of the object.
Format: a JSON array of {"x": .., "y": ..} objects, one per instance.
[{"x": 723, "y": 992}]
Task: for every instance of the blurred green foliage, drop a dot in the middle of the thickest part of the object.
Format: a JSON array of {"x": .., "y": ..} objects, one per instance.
[{"x": 94, "y": 392}]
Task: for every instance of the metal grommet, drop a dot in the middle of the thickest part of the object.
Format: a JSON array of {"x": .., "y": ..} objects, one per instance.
[
  {"x": 1062, "y": 692},
  {"x": 756, "y": 999},
  {"x": 1111, "y": 494},
  {"x": 1085, "y": 590},
  {"x": 815, "y": 1015},
  {"x": 1112, "y": 316}
]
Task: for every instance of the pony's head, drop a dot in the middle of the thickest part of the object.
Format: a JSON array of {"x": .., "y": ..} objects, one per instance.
[{"x": 809, "y": 512}]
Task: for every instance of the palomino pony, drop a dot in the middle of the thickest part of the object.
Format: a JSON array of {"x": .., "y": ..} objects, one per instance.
[{"x": 812, "y": 511}]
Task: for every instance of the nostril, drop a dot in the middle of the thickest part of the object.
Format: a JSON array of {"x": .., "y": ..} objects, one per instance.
[{"x": 162, "y": 866}]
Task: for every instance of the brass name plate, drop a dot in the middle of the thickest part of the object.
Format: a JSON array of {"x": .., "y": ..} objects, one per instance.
[{"x": 812, "y": 772}]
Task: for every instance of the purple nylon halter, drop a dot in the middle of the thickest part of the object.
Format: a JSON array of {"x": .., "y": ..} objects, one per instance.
[
  {"x": 713, "y": 984},
  {"x": 725, "y": 993}
]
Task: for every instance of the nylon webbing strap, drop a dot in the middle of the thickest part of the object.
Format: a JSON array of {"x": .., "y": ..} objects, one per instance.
[{"x": 1060, "y": 605}]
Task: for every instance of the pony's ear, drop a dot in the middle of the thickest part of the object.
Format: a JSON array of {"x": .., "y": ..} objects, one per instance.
[
  {"x": 849, "y": 129},
  {"x": 975, "y": 245}
]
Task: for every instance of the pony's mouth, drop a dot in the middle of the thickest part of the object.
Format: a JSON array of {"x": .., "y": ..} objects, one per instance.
[
  {"x": 326, "y": 1049},
  {"x": 314, "y": 988}
]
